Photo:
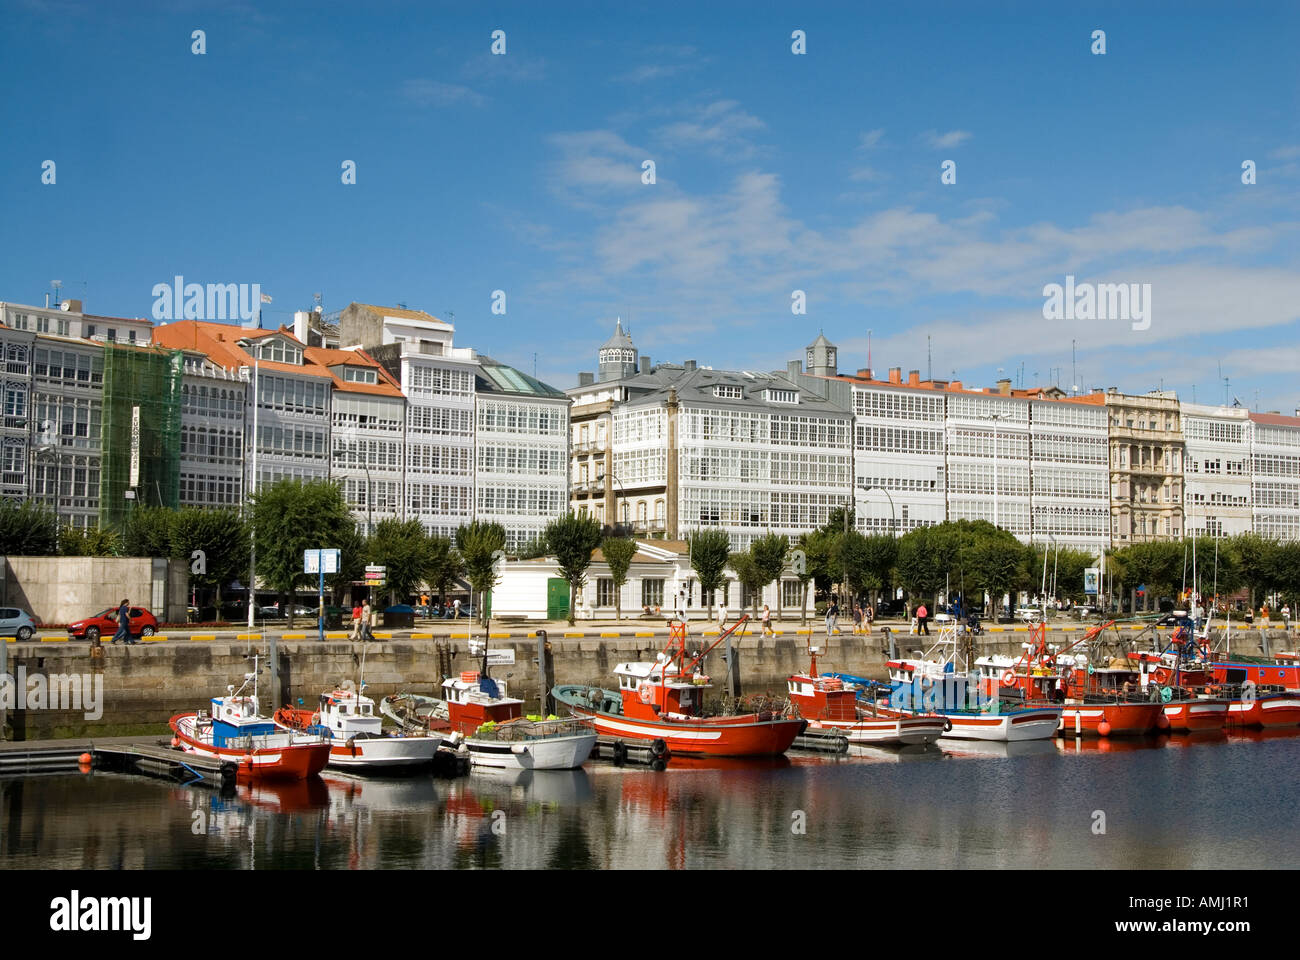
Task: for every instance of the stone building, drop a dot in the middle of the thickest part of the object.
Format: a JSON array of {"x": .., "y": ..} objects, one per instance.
[{"x": 1146, "y": 467}]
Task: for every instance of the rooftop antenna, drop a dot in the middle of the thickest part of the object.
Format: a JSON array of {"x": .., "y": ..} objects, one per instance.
[
  {"x": 868, "y": 352},
  {"x": 534, "y": 364},
  {"x": 57, "y": 285},
  {"x": 1074, "y": 369},
  {"x": 929, "y": 374}
]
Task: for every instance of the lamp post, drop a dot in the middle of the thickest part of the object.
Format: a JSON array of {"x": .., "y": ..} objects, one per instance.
[{"x": 893, "y": 517}]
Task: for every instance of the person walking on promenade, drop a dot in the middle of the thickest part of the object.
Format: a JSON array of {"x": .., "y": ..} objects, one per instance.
[
  {"x": 767, "y": 622},
  {"x": 365, "y": 621},
  {"x": 356, "y": 621},
  {"x": 123, "y": 623},
  {"x": 681, "y": 605},
  {"x": 832, "y": 612},
  {"x": 722, "y": 615},
  {"x": 455, "y": 606},
  {"x": 922, "y": 616}
]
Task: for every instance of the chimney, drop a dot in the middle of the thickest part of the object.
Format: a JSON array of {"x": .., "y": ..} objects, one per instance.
[
  {"x": 793, "y": 367},
  {"x": 955, "y": 385},
  {"x": 301, "y": 324},
  {"x": 895, "y": 374},
  {"x": 865, "y": 373},
  {"x": 690, "y": 365},
  {"x": 914, "y": 378},
  {"x": 586, "y": 379},
  {"x": 645, "y": 364},
  {"x": 1004, "y": 386}
]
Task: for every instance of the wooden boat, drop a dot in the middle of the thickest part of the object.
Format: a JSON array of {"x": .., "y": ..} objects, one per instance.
[
  {"x": 357, "y": 739},
  {"x": 664, "y": 700},
  {"x": 234, "y": 731},
  {"x": 831, "y": 702},
  {"x": 532, "y": 745}
]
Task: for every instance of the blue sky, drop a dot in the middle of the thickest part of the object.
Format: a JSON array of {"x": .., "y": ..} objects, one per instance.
[{"x": 775, "y": 172}]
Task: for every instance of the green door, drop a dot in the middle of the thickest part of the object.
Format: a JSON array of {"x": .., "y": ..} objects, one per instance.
[{"x": 557, "y": 599}]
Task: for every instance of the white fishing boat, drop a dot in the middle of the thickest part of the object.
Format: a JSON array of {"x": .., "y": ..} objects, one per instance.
[
  {"x": 357, "y": 738},
  {"x": 524, "y": 744}
]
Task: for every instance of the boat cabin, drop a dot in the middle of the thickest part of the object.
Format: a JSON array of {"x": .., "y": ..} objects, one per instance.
[
  {"x": 823, "y": 698},
  {"x": 927, "y": 685},
  {"x": 235, "y": 718},
  {"x": 474, "y": 699},
  {"x": 345, "y": 713},
  {"x": 1002, "y": 676},
  {"x": 652, "y": 690}
]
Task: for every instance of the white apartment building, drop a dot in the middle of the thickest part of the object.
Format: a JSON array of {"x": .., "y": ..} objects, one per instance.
[
  {"x": 289, "y": 405},
  {"x": 437, "y": 379},
  {"x": 16, "y": 429},
  {"x": 521, "y": 451},
  {"x": 368, "y": 421},
  {"x": 213, "y": 403},
  {"x": 1217, "y": 470},
  {"x": 1069, "y": 471},
  {"x": 1275, "y": 475}
]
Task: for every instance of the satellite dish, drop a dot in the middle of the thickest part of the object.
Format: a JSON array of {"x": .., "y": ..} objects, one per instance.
[{"x": 65, "y": 305}]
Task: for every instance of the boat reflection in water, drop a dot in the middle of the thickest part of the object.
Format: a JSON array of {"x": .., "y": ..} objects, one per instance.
[
  {"x": 999, "y": 749},
  {"x": 1079, "y": 745}
]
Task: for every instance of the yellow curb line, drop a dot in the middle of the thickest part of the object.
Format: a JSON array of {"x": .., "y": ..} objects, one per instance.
[
  {"x": 248, "y": 636},
  {"x": 644, "y": 634},
  {"x": 293, "y": 636},
  {"x": 460, "y": 636},
  {"x": 611, "y": 634},
  {"x": 570, "y": 633},
  {"x": 421, "y": 636},
  {"x": 54, "y": 639},
  {"x": 500, "y": 636},
  {"x": 337, "y": 635},
  {"x": 156, "y": 638},
  {"x": 203, "y": 636}
]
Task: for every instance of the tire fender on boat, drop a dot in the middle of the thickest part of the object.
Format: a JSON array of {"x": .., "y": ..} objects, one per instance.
[{"x": 947, "y": 724}]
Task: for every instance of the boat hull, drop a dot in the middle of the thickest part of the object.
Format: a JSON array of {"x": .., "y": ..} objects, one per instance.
[
  {"x": 364, "y": 752},
  {"x": 1188, "y": 716},
  {"x": 290, "y": 761},
  {"x": 1233, "y": 671},
  {"x": 1265, "y": 710},
  {"x": 885, "y": 730},
  {"x": 551, "y": 753},
  {"x": 1124, "y": 719},
  {"x": 743, "y": 736},
  {"x": 1012, "y": 727}
]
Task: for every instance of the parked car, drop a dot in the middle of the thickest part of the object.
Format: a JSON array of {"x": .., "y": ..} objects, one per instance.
[
  {"x": 17, "y": 624},
  {"x": 140, "y": 623}
]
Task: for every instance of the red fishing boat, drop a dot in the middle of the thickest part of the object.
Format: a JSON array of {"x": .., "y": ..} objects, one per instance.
[
  {"x": 830, "y": 702},
  {"x": 663, "y": 700},
  {"x": 1104, "y": 699}
]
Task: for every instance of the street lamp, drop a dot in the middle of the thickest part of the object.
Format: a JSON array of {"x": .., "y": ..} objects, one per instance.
[{"x": 893, "y": 517}]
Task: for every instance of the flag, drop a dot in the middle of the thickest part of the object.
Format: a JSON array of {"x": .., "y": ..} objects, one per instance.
[{"x": 266, "y": 298}]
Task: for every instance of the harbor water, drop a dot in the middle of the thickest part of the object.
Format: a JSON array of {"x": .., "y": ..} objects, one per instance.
[{"x": 1219, "y": 800}]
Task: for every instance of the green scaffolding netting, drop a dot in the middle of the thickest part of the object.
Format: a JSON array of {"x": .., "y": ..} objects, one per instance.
[{"x": 147, "y": 380}]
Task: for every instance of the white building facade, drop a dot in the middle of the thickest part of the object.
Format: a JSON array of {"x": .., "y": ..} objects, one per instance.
[
  {"x": 1275, "y": 475},
  {"x": 1217, "y": 470}
]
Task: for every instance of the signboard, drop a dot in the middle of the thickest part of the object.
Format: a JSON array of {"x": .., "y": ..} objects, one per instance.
[
  {"x": 1091, "y": 577},
  {"x": 500, "y": 658},
  {"x": 313, "y": 559},
  {"x": 135, "y": 448}
]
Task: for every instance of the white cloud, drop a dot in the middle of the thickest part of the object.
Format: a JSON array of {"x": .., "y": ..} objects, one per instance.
[
  {"x": 871, "y": 139},
  {"x": 435, "y": 93},
  {"x": 721, "y": 128},
  {"x": 946, "y": 141}
]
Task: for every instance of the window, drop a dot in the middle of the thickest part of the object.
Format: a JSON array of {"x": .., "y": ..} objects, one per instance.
[
  {"x": 791, "y": 594},
  {"x": 727, "y": 392},
  {"x": 359, "y": 375},
  {"x": 90, "y": 330},
  {"x": 652, "y": 592},
  {"x": 112, "y": 335},
  {"x": 604, "y": 592}
]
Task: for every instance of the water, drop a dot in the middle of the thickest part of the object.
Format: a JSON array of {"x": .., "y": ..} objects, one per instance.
[{"x": 1182, "y": 802}]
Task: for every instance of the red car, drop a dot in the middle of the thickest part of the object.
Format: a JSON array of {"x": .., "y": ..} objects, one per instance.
[{"x": 141, "y": 622}]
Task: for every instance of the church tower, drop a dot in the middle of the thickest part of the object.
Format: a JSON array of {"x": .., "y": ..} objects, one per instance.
[{"x": 618, "y": 356}]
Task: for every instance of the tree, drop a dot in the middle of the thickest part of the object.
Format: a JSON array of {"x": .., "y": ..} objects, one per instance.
[
  {"x": 618, "y": 552},
  {"x": 443, "y": 566},
  {"x": 222, "y": 536},
  {"x": 90, "y": 542},
  {"x": 820, "y": 547},
  {"x": 27, "y": 529},
  {"x": 866, "y": 561},
  {"x": 710, "y": 550},
  {"x": 923, "y": 560},
  {"x": 750, "y": 576},
  {"x": 401, "y": 548},
  {"x": 799, "y": 566},
  {"x": 534, "y": 548},
  {"x": 769, "y": 553},
  {"x": 571, "y": 539},
  {"x": 147, "y": 532},
  {"x": 1255, "y": 560},
  {"x": 351, "y": 545},
  {"x": 479, "y": 543},
  {"x": 290, "y": 517}
]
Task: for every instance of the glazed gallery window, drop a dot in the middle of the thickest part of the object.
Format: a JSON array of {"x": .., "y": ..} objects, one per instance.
[{"x": 652, "y": 593}]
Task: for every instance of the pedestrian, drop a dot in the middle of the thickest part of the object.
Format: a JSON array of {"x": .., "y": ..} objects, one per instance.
[
  {"x": 123, "y": 623},
  {"x": 1286, "y": 617},
  {"x": 1264, "y": 613},
  {"x": 356, "y": 621},
  {"x": 722, "y": 614},
  {"x": 681, "y": 605},
  {"x": 922, "y": 616},
  {"x": 767, "y": 622},
  {"x": 455, "y": 606},
  {"x": 365, "y": 621},
  {"x": 832, "y": 612},
  {"x": 857, "y": 619},
  {"x": 871, "y": 617}
]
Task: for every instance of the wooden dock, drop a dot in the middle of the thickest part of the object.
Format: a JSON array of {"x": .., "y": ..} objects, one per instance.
[{"x": 149, "y": 755}]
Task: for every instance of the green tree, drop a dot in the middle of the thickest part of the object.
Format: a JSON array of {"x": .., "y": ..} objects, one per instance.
[
  {"x": 709, "y": 550},
  {"x": 351, "y": 544},
  {"x": 821, "y": 548},
  {"x": 1255, "y": 559},
  {"x": 745, "y": 566},
  {"x": 618, "y": 552},
  {"x": 290, "y": 517},
  {"x": 769, "y": 552},
  {"x": 443, "y": 566},
  {"x": 923, "y": 561},
  {"x": 90, "y": 542},
  {"x": 147, "y": 532},
  {"x": 223, "y": 537},
  {"x": 401, "y": 548},
  {"x": 28, "y": 529},
  {"x": 866, "y": 561},
  {"x": 571, "y": 539},
  {"x": 479, "y": 543}
]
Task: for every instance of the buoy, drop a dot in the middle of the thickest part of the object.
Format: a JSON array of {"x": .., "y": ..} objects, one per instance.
[
  {"x": 85, "y": 758},
  {"x": 1103, "y": 728},
  {"x": 176, "y": 741},
  {"x": 1162, "y": 722}
]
